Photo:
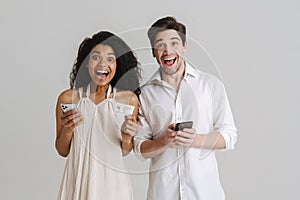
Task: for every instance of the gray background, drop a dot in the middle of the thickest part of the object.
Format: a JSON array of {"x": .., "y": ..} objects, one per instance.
[{"x": 254, "y": 44}]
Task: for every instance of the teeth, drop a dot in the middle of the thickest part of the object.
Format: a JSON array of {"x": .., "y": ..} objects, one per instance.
[
  {"x": 167, "y": 59},
  {"x": 102, "y": 71}
]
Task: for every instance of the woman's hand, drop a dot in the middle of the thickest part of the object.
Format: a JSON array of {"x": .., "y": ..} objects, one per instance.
[
  {"x": 128, "y": 130},
  {"x": 129, "y": 126},
  {"x": 70, "y": 120},
  {"x": 66, "y": 123}
]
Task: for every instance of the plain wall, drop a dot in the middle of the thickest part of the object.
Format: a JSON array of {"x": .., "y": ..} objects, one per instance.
[{"x": 253, "y": 46}]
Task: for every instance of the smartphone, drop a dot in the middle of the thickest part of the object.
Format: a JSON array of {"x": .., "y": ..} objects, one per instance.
[
  {"x": 67, "y": 106},
  {"x": 181, "y": 125}
]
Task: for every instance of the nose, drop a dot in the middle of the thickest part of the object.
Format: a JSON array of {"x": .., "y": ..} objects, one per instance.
[
  {"x": 168, "y": 49},
  {"x": 102, "y": 63}
]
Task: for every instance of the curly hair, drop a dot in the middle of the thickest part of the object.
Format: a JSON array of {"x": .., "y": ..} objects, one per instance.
[{"x": 127, "y": 75}]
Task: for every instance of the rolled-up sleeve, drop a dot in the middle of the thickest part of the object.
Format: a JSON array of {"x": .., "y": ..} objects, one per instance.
[
  {"x": 144, "y": 132},
  {"x": 222, "y": 116}
]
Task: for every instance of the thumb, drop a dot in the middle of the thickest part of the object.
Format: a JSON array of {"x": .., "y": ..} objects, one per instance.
[{"x": 172, "y": 126}]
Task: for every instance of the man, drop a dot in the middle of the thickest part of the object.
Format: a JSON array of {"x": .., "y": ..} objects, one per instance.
[{"x": 183, "y": 163}]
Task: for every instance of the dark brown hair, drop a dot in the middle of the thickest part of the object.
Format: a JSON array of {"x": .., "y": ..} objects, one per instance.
[{"x": 165, "y": 24}]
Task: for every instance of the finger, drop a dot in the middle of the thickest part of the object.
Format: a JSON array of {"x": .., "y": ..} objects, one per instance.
[
  {"x": 183, "y": 144},
  {"x": 127, "y": 117},
  {"x": 172, "y": 126},
  {"x": 78, "y": 123},
  {"x": 129, "y": 126},
  {"x": 70, "y": 114},
  {"x": 130, "y": 132},
  {"x": 189, "y": 130},
  {"x": 186, "y": 134},
  {"x": 130, "y": 122},
  {"x": 131, "y": 118},
  {"x": 183, "y": 140},
  {"x": 171, "y": 133},
  {"x": 126, "y": 129},
  {"x": 73, "y": 121}
]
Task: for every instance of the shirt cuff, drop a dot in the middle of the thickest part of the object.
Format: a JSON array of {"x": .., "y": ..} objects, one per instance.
[
  {"x": 230, "y": 139},
  {"x": 137, "y": 148}
]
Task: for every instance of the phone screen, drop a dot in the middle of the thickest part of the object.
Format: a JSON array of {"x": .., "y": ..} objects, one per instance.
[{"x": 181, "y": 125}]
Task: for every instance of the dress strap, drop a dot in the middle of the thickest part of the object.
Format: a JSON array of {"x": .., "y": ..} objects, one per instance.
[
  {"x": 108, "y": 91},
  {"x": 88, "y": 90},
  {"x": 114, "y": 92},
  {"x": 80, "y": 92}
]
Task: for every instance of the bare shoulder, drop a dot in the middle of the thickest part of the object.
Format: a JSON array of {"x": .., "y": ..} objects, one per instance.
[
  {"x": 69, "y": 96},
  {"x": 127, "y": 97}
]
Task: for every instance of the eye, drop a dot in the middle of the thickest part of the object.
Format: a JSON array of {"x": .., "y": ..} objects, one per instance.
[
  {"x": 160, "y": 46},
  {"x": 95, "y": 57},
  {"x": 110, "y": 59},
  {"x": 175, "y": 43}
]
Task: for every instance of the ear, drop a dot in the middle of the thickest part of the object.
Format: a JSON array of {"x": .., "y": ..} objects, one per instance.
[{"x": 185, "y": 47}]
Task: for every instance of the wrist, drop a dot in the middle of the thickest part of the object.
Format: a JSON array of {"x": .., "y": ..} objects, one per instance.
[
  {"x": 198, "y": 140},
  {"x": 67, "y": 132},
  {"x": 127, "y": 139},
  {"x": 162, "y": 142}
]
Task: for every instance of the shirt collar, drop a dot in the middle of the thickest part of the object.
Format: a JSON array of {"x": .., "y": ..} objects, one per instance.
[{"x": 189, "y": 70}]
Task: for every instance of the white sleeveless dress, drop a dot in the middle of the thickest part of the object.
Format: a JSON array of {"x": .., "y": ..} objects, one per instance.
[{"x": 95, "y": 168}]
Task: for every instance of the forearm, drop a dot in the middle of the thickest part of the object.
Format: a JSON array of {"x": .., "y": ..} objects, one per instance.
[
  {"x": 126, "y": 144},
  {"x": 152, "y": 148},
  {"x": 63, "y": 143},
  {"x": 209, "y": 141}
]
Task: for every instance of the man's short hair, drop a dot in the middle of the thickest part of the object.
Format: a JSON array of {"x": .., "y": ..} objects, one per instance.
[{"x": 165, "y": 24}]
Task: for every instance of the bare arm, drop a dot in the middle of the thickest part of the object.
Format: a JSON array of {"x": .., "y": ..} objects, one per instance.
[
  {"x": 187, "y": 137},
  {"x": 209, "y": 141},
  {"x": 129, "y": 127},
  {"x": 65, "y": 124},
  {"x": 152, "y": 148}
]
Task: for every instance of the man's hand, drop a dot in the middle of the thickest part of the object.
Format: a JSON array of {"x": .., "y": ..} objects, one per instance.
[
  {"x": 168, "y": 139},
  {"x": 185, "y": 137}
]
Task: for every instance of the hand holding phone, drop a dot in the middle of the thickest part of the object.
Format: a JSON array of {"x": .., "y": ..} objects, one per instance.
[
  {"x": 181, "y": 125},
  {"x": 184, "y": 138}
]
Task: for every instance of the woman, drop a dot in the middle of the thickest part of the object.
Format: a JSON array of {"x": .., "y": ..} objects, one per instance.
[{"x": 99, "y": 131}]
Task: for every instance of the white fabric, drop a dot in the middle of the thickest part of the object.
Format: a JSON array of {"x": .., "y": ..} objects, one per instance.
[
  {"x": 94, "y": 167},
  {"x": 185, "y": 173}
]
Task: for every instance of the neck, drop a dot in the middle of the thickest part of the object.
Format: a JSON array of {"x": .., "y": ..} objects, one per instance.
[
  {"x": 174, "y": 79},
  {"x": 99, "y": 90}
]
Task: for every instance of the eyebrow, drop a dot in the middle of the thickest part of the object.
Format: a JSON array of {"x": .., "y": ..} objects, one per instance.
[
  {"x": 98, "y": 52},
  {"x": 173, "y": 38}
]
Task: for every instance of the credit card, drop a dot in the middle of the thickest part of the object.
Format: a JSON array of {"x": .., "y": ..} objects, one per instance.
[{"x": 123, "y": 109}]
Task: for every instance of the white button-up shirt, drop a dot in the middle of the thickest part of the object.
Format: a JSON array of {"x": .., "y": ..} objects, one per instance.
[{"x": 185, "y": 173}]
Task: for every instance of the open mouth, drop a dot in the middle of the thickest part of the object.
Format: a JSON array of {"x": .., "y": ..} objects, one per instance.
[
  {"x": 102, "y": 74},
  {"x": 169, "y": 61}
]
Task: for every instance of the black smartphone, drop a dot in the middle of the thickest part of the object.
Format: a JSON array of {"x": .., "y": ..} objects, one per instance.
[{"x": 181, "y": 125}]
